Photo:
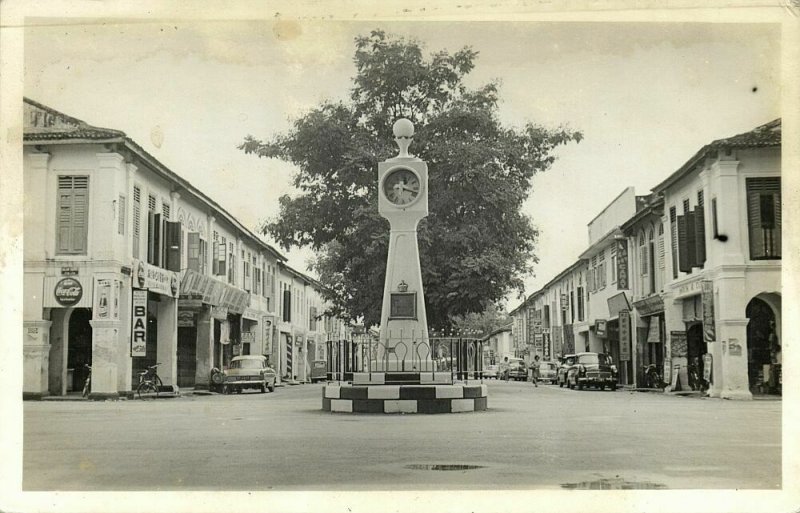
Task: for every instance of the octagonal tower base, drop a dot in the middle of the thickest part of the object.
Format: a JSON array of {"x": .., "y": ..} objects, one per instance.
[{"x": 406, "y": 393}]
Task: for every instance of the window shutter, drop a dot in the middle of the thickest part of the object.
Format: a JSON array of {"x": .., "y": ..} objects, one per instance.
[
  {"x": 221, "y": 267},
  {"x": 193, "y": 257},
  {"x": 683, "y": 252},
  {"x": 203, "y": 257},
  {"x": 64, "y": 231},
  {"x": 121, "y": 220},
  {"x": 287, "y": 306},
  {"x": 173, "y": 242},
  {"x": 137, "y": 213},
  {"x": 661, "y": 252},
  {"x": 691, "y": 243},
  {"x": 700, "y": 236},
  {"x": 156, "y": 239}
]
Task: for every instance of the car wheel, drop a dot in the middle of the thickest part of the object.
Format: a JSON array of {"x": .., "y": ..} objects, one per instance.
[
  {"x": 580, "y": 385},
  {"x": 612, "y": 386}
]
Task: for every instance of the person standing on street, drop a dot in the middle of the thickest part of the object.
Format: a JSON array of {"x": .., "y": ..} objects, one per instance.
[{"x": 535, "y": 371}]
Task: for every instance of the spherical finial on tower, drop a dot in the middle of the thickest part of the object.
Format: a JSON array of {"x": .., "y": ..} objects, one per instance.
[{"x": 403, "y": 130}]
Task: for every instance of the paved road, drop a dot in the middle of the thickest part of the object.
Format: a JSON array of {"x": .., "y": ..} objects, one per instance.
[{"x": 543, "y": 437}]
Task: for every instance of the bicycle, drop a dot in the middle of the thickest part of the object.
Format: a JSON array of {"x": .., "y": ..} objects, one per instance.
[
  {"x": 652, "y": 378},
  {"x": 87, "y": 385},
  {"x": 149, "y": 383}
]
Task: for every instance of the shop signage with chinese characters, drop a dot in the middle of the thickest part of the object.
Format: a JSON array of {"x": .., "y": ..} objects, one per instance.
[
  {"x": 650, "y": 305},
  {"x": 69, "y": 271},
  {"x": 139, "y": 323},
  {"x": 709, "y": 331},
  {"x": 155, "y": 279},
  {"x": 678, "y": 343},
  {"x": 624, "y": 335},
  {"x": 622, "y": 264}
]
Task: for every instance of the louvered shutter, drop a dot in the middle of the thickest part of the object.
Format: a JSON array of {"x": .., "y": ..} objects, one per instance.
[
  {"x": 684, "y": 264},
  {"x": 73, "y": 214},
  {"x": 764, "y": 217},
  {"x": 137, "y": 212},
  {"x": 661, "y": 252},
  {"x": 691, "y": 243},
  {"x": 700, "y": 236}
]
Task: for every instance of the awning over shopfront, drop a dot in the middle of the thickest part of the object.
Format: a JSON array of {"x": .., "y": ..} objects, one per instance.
[{"x": 214, "y": 292}]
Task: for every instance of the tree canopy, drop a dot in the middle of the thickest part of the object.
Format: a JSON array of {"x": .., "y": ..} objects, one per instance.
[{"x": 476, "y": 245}]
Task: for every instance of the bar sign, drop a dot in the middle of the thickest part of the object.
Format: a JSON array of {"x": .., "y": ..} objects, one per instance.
[{"x": 139, "y": 326}]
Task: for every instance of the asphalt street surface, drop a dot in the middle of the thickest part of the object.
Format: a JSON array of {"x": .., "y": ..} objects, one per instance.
[{"x": 546, "y": 437}]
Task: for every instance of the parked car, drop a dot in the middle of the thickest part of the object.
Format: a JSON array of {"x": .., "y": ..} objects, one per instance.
[
  {"x": 249, "y": 371},
  {"x": 517, "y": 370},
  {"x": 565, "y": 364},
  {"x": 319, "y": 371},
  {"x": 491, "y": 371},
  {"x": 592, "y": 369},
  {"x": 548, "y": 372}
]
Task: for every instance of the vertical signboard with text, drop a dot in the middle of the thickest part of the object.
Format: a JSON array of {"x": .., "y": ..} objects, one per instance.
[
  {"x": 624, "y": 335},
  {"x": 139, "y": 324},
  {"x": 709, "y": 331}
]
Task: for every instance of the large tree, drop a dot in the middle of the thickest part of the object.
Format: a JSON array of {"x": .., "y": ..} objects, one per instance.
[{"x": 475, "y": 245}]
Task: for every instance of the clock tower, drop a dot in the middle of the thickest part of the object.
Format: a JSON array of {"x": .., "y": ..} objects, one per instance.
[{"x": 403, "y": 201}]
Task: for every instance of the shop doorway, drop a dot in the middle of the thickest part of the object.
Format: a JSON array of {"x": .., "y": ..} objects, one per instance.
[
  {"x": 696, "y": 347},
  {"x": 187, "y": 355},
  {"x": 79, "y": 347},
  {"x": 763, "y": 349}
]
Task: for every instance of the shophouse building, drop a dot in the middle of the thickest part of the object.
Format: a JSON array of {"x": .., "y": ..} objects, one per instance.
[
  {"x": 607, "y": 326},
  {"x": 645, "y": 269},
  {"x": 722, "y": 296},
  {"x": 126, "y": 264},
  {"x": 303, "y": 329},
  {"x": 498, "y": 345}
]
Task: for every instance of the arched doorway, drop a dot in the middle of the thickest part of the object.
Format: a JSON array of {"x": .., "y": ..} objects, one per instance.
[
  {"x": 763, "y": 348},
  {"x": 79, "y": 347}
]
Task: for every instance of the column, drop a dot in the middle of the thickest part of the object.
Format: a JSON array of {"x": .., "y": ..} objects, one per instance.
[
  {"x": 36, "y": 358},
  {"x": 105, "y": 337},
  {"x": 673, "y": 321},
  {"x": 204, "y": 348},
  {"x": 730, "y": 304},
  {"x": 729, "y": 206},
  {"x": 167, "y": 351}
]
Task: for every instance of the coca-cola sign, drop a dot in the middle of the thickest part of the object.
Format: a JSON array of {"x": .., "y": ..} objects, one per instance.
[{"x": 68, "y": 292}]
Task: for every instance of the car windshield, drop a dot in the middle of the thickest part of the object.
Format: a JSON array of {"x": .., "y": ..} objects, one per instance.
[
  {"x": 593, "y": 358},
  {"x": 246, "y": 364}
]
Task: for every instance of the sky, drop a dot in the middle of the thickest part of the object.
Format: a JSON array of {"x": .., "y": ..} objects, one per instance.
[{"x": 646, "y": 96}]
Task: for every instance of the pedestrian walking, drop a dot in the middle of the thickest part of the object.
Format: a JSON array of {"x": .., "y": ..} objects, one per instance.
[
  {"x": 504, "y": 368},
  {"x": 535, "y": 371}
]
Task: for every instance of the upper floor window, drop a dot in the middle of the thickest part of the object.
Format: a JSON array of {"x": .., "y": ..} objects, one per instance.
[
  {"x": 72, "y": 225},
  {"x": 764, "y": 217},
  {"x": 197, "y": 256}
]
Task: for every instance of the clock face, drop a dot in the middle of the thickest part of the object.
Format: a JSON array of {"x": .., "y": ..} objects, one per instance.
[{"x": 401, "y": 186}]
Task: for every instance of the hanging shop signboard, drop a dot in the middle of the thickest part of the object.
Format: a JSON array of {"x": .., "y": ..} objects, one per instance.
[
  {"x": 624, "y": 335},
  {"x": 709, "y": 331},
  {"x": 139, "y": 323},
  {"x": 186, "y": 319},
  {"x": 600, "y": 327},
  {"x": 155, "y": 279},
  {"x": 622, "y": 264},
  {"x": 650, "y": 305}
]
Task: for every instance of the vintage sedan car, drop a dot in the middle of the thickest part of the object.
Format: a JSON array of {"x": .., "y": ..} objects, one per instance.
[
  {"x": 517, "y": 370},
  {"x": 491, "y": 371},
  {"x": 548, "y": 371},
  {"x": 565, "y": 364},
  {"x": 249, "y": 371},
  {"x": 592, "y": 369},
  {"x": 319, "y": 371}
]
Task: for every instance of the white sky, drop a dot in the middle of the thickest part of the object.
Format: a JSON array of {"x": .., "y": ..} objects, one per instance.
[{"x": 647, "y": 96}]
